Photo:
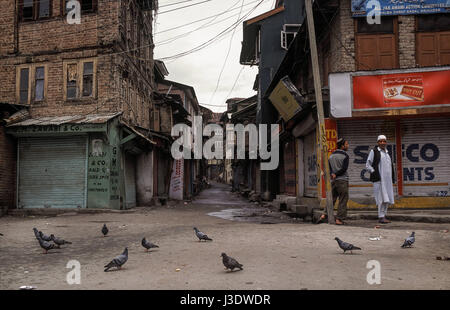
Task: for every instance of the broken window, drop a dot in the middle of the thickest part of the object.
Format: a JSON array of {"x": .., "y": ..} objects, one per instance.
[
  {"x": 24, "y": 79},
  {"x": 88, "y": 78},
  {"x": 39, "y": 82},
  {"x": 71, "y": 81}
]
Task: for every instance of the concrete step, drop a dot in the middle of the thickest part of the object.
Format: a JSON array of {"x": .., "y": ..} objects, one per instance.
[{"x": 418, "y": 216}]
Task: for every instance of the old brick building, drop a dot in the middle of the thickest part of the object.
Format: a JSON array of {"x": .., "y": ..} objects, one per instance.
[{"x": 88, "y": 90}]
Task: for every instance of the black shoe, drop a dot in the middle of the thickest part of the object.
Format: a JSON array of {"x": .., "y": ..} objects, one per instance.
[{"x": 383, "y": 221}]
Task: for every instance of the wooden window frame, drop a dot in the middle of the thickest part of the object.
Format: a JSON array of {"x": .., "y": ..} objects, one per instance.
[
  {"x": 35, "y": 13},
  {"x": 31, "y": 82},
  {"x": 396, "y": 43},
  {"x": 417, "y": 43},
  {"x": 80, "y": 67}
]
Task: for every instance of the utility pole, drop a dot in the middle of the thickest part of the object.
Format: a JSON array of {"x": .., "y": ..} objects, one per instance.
[{"x": 319, "y": 105}]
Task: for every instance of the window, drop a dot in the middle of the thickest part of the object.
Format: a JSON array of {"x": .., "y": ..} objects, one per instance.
[
  {"x": 376, "y": 44},
  {"x": 86, "y": 6},
  {"x": 72, "y": 81},
  {"x": 88, "y": 78},
  {"x": 432, "y": 40},
  {"x": 34, "y": 9},
  {"x": 31, "y": 83},
  {"x": 39, "y": 83},
  {"x": 433, "y": 22},
  {"x": 24, "y": 85},
  {"x": 386, "y": 25},
  {"x": 80, "y": 79}
]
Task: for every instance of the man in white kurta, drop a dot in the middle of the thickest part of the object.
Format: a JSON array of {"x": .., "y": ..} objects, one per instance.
[{"x": 382, "y": 178}]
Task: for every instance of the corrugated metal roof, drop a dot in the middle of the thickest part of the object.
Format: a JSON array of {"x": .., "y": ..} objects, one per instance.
[{"x": 72, "y": 119}]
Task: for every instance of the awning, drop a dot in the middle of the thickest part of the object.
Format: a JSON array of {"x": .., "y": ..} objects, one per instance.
[{"x": 73, "y": 124}]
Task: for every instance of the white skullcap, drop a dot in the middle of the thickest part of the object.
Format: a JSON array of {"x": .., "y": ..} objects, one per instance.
[{"x": 380, "y": 137}]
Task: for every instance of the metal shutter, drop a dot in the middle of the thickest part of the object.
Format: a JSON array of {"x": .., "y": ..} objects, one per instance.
[
  {"x": 362, "y": 137},
  {"x": 310, "y": 165},
  {"x": 52, "y": 172},
  {"x": 425, "y": 157}
]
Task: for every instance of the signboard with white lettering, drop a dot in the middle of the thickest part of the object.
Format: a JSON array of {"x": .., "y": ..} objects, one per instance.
[{"x": 400, "y": 7}]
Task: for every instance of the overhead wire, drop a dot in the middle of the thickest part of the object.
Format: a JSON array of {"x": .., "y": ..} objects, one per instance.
[
  {"x": 215, "y": 38},
  {"x": 226, "y": 58}
]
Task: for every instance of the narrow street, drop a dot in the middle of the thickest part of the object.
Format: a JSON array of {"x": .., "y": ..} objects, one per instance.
[{"x": 287, "y": 255}]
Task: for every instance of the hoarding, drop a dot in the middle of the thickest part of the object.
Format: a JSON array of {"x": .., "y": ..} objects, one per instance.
[
  {"x": 400, "y": 7},
  {"x": 401, "y": 90}
]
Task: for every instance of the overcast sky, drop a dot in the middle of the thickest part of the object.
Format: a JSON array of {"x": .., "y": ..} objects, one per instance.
[{"x": 201, "y": 69}]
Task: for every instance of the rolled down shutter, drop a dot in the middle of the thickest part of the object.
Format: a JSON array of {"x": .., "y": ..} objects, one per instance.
[
  {"x": 361, "y": 136},
  {"x": 52, "y": 172},
  {"x": 426, "y": 157}
]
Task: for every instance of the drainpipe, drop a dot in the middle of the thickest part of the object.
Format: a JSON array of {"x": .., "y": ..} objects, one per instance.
[{"x": 16, "y": 29}]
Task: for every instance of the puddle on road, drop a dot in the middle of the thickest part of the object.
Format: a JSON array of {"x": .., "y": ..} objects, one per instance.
[{"x": 254, "y": 215}]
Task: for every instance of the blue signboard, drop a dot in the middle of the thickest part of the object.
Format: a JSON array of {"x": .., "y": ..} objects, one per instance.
[{"x": 400, "y": 7}]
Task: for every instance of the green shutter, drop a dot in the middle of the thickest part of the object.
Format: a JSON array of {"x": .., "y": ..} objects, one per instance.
[{"x": 52, "y": 172}]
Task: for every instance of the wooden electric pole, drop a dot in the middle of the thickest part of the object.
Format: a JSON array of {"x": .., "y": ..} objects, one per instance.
[{"x": 319, "y": 105}]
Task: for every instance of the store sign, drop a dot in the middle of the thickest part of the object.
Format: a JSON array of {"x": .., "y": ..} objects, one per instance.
[
  {"x": 400, "y": 7},
  {"x": 403, "y": 90},
  {"x": 286, "y": 98},
  {"x": 176, "y": 180}
]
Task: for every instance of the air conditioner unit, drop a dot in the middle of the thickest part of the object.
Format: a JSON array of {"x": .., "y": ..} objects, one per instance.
[{"x": 288, "y": 34}]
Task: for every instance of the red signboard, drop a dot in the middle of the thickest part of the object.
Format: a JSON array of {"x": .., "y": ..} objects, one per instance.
[
  {"x": 331, "y": 132},
  {"x": 402, "y": 90}
]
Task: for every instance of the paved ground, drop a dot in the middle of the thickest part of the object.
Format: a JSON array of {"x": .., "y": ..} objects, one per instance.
[{"x": 277, "y": 252}]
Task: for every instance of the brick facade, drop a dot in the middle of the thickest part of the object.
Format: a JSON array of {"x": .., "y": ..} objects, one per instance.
[
  {"x": 124, "y": 80},
  {"x": 7, "y": 170}
]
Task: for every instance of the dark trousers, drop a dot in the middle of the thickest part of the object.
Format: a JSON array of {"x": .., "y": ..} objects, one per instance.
[{"x": 340, "y": 190}]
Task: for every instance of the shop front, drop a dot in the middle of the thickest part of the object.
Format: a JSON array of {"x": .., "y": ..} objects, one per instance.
[
  {"x": 412, "y": 109},
  {"x": 76, "y": 162}
]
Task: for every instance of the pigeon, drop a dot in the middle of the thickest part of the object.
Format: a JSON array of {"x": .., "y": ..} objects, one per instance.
[
  {"x": 118, "y": 261},
  {"x": 36, "y": 233},
  {"x": 46, "y": 245},
  {"x": 409, "y": 241},
  {"x": 44, "y": 237},
  {"x": 59, "y": 241},
  {"x": 346, "y": 246},
  {"x": 201, "y": 236},
  {"x": 148, "y": 245},
  {"x": 230, "y": 262},
  {"x": 104, "y": 230}
]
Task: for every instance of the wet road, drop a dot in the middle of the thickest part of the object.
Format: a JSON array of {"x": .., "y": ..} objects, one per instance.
[{"x": 220, "y": 194}]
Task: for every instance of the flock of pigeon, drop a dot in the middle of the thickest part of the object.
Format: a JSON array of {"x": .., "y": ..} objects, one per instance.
[
  {"x": 120, "y": 260},
  {"x": 229, "y": 262}
]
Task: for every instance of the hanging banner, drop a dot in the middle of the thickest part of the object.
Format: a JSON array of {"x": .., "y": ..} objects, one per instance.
[
  {"x": 402, "y": 90},
  {"x": 176, "y": 180},
  {"x": 400, "y": 7}
]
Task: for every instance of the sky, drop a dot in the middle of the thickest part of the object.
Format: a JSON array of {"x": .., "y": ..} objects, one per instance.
[{"x": 201, "y": 68}]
